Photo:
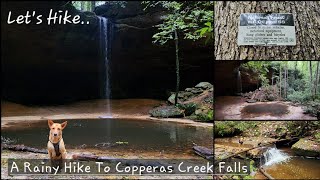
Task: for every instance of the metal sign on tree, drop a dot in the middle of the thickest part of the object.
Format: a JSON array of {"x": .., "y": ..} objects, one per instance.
[{"x": 266, "y": 29}]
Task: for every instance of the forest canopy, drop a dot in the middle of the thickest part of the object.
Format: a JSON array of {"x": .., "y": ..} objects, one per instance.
[
  {"x": 90, "y": 5},
  {"x": 296, "y": 81}
]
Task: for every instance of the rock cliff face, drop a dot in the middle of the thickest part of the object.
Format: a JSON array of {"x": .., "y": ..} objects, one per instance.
[
  {"x": 226, "y": 78},
  {"x": 61, "y": 63}
]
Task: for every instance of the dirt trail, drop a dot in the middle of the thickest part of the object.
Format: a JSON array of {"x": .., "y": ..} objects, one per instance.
[{"x": 236, "y": 108}]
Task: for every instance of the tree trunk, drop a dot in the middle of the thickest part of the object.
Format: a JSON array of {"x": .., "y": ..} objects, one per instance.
[
  {"x": 177, "y": 65},
  {"x": 295, "y": 70},
  {"x": 280, "y": 81},
  {"x": 88, "y": 6},
  {"x": 311, "y": 82},
  {"x": 285, "y": 82},
  {"x": 306, "y": 18},
  {"x": 82, "y": 5},
  {"x": 287, "y": 79},
  {"x": 272, "y": 78},
  {"x": 93, "y": 5},
  {"x": 316, "y": 79}
]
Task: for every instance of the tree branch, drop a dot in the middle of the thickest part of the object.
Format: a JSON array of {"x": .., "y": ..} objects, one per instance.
[{"x": 126, "y": 26}]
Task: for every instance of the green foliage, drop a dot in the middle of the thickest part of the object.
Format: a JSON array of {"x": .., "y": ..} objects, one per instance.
[
  {"x": 299, "y": 96},
  {"x": 297, "y": 86},
  {"x": 312, "y": 107},
  {"x": 261, "y": 68},
  {"x": 317, "y": 136},
  {"x": 210, "y": 115},
  {"x": 87, "y": 5},
  {"x": 253, "y": 168},
  {"x": 188, "y": 108},
  {"x": 223, "y": 129},
  {"x": 192, "y": 19},
  {"x": 230, "y": 128},
  {"x": 302, "y": 128},
  {"x": 206, "y": 117},
  {"x": 242, "y": 126}
]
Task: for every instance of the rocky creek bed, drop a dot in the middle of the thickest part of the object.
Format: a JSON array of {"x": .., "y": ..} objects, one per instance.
[
  {"x": 237, "y": 108},
  {"x": 252, "y": 139}
]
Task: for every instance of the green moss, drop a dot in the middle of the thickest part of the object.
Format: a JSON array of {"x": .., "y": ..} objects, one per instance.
[
  {"x": 188, "y": 108},
  {"x": 317, "y": 136},
  {"x": 231, "y": 128},
  {"x": 205, "y": 117}
]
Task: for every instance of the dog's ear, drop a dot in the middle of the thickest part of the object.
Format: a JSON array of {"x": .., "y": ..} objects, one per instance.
[
  {"x": 50, "y": 123},
  {"x": 64, "y": 124}
]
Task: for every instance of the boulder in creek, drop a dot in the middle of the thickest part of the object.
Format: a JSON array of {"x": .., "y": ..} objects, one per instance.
[
  {"x": 305, "y": 147},
  {"x": 166, "y": 112}
]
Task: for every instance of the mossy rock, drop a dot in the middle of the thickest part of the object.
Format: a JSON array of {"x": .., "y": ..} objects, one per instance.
[
  {"x": 225, "y": 129},
  {"x": 167, "y": 112},
  {"x": 317, "y": 137},
  {"x": 204, "y": 85},
  {"x": 188, "y": 108},
  {"x": 182, "y": 96},
  {"x": 194, "y": 90},
  {"x": 305, "y": 147}
]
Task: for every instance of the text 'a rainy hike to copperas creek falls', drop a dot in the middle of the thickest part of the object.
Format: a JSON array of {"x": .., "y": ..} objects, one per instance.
[{"x": 37, "y": 166}]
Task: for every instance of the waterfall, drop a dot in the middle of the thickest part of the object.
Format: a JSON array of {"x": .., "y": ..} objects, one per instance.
[
  {"x": 104, "y": 52},
  {"x": 239, "y": 82},
  {"x": 274, "y": 156}
]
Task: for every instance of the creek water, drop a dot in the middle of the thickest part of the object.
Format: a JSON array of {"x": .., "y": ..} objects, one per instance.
[
  {"x": 280, "y": 163},
  {"x": 115, "y": 135},
  {"x": 274, "y": 156},
  {"x": 286, "y": 165}
]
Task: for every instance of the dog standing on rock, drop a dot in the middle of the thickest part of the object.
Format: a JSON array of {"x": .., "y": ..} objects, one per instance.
[{"x": 56, "y": 147}]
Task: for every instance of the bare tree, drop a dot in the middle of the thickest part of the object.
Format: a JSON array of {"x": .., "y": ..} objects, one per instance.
[
  {"x": 280, "y": 81},
  {"x": 285, "y": 81},
  {"x": 176, "y": 40}
]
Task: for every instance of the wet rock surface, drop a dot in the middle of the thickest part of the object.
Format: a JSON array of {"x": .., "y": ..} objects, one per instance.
[
  {"x": 166, "y": 112},
  {"x": 225, "y": 147},
  {"x": 233, "y": 108},
  {"x": 305, "y": 147},
  {"x": 264, "y": 109}
]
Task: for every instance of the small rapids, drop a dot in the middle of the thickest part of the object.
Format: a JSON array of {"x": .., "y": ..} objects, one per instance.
[{"x": 274, "y": 156}]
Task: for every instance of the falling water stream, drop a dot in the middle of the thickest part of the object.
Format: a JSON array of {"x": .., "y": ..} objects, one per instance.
[
  {"x": 283, "y": 164},
  {"x": 239, "y": 82},
  {"x": 104, "y": 49},
  {"x": 278, "y": 162},
  {"x": 274, "y": 156}
]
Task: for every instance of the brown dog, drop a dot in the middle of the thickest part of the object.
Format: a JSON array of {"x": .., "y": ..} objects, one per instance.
[{"x": 56, "y": 148}]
